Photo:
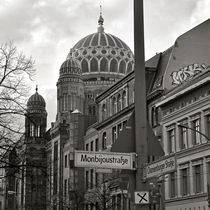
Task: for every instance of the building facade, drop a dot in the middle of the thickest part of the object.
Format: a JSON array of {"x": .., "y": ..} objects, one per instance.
[
  {"x": 94, "y": 64},
  {"x": 95, "y": 104},
  {"x": 177, "y": 84},
  {"x": 184, "y": 109}
]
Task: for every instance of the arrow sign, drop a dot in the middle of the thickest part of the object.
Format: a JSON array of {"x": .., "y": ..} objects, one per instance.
[{"x": 142, "y": 197}]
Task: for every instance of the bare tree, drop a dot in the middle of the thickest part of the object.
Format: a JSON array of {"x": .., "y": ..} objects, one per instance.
[
  {"x": 73, "y": 200},
  {"x": 107, "y": 194},
  {"x": 15, "y": 70}
]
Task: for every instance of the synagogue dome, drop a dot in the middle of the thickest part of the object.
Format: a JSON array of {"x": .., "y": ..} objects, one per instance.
[
  {"x": 70, "y": 67},
  {"x": 103, "y": 53},
  {"x": 36, "y": 103}
]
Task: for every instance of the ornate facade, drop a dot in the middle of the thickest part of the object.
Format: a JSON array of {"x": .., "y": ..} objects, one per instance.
[
  {"x": 26, "y": 183},
  {"x": 94, "y": 64},
  {"x": 95, "y": 101},
  {"x": 178, "y": 103}
]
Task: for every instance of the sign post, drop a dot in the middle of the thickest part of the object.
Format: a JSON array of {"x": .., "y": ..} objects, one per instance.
[{"x": 140, "y": 99}]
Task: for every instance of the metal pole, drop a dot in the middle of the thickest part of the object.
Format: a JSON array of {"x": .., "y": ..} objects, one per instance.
[{"x": 140, "y": 99}]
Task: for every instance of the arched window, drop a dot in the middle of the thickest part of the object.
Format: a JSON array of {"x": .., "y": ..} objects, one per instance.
[
  {"x": 119, "y": 103},
  {"x": 34, "y": 130},
  {"x": 103, "y": 111},
  {"x": 124, "y": 99},
  {"x": 113, "y": 65},
  {"x": 114, "y": 105},
  {"x": 37, "y": 131},
  {"x": 122, "y": 67},
  {"x": 104, "y": 65},
  {"x": 94, "y": 65},
  {"x": 104, "y": 140},
  {"x": 84, "y": 66},
  {"x": 129, "y": 68},
  {"x": 31, "y": 129}
]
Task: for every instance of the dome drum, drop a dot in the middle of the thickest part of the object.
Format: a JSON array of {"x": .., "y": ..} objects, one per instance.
[{"x": 106, "y": 66}]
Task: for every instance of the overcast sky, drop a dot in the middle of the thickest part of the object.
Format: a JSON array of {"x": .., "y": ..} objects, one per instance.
[{"x": 47, "y": 29}]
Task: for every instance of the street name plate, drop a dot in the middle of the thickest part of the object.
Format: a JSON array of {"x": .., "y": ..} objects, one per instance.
[
  {"x": 160, "y": 167},
  {"x": 89, "y": 159}
]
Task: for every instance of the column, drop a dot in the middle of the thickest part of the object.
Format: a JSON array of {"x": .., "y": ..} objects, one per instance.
[
  {"x": 191, "y": 178},
  {"x": 205, "y": 175}
]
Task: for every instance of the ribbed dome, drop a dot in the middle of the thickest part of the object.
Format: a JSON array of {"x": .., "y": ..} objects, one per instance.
[
  {"x": 70, "y": 67},
  {"x": 103, "y": 53},
  {"x": 36, "y": 102}
]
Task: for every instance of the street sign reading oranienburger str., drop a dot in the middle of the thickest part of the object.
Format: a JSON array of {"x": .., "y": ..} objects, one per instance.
[
  {"x": 160, "y": 167},
  {"x": 92, "y": 159}
]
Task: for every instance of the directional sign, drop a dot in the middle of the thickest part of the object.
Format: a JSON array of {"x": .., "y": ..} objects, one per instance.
[
  {"x": 104, "y": 160},
  {"x": 141, "y": 197}
]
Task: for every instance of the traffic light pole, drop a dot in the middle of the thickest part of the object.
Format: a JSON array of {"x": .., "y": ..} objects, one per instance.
[{"x": 140, "y": 100}]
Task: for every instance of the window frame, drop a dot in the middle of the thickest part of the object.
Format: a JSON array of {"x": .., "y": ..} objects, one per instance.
[
  {"x": 104, "y": 140},
  {"x": 171, "y": 134}
]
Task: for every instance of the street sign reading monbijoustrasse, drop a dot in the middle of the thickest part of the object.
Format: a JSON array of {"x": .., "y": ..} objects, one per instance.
[{"x": 90, "y": 159}]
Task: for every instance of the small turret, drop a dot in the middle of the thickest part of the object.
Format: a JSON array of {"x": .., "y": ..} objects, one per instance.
[{"x": 36, "y": 116}]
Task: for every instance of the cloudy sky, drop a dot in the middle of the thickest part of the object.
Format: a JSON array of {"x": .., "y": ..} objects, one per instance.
[{"x": 47, "y": 29}]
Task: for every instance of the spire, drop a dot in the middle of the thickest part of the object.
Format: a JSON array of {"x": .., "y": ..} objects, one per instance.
[
  {"x": 100, "y": 22},
  {"x": 36, "y": 88}
]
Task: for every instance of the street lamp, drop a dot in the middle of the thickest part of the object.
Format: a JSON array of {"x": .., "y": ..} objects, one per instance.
[
  {"x": 202, "y": 134},
  {"x": 208, "y": 139}
]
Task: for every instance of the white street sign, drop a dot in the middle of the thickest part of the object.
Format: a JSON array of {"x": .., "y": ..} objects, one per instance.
[
  {"x": 160, "y": 167},
  {"x": 141, "y": 197},
  {"x": 104, "y": 160}
]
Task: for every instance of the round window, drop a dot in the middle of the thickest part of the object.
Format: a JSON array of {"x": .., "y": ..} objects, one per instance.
[{"x": 103, "y": 51}]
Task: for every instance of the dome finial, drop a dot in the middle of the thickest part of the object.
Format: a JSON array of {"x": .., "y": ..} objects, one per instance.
[
  {"x": 100, "y": 21},
  {"x": 36, "y": 88}
]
